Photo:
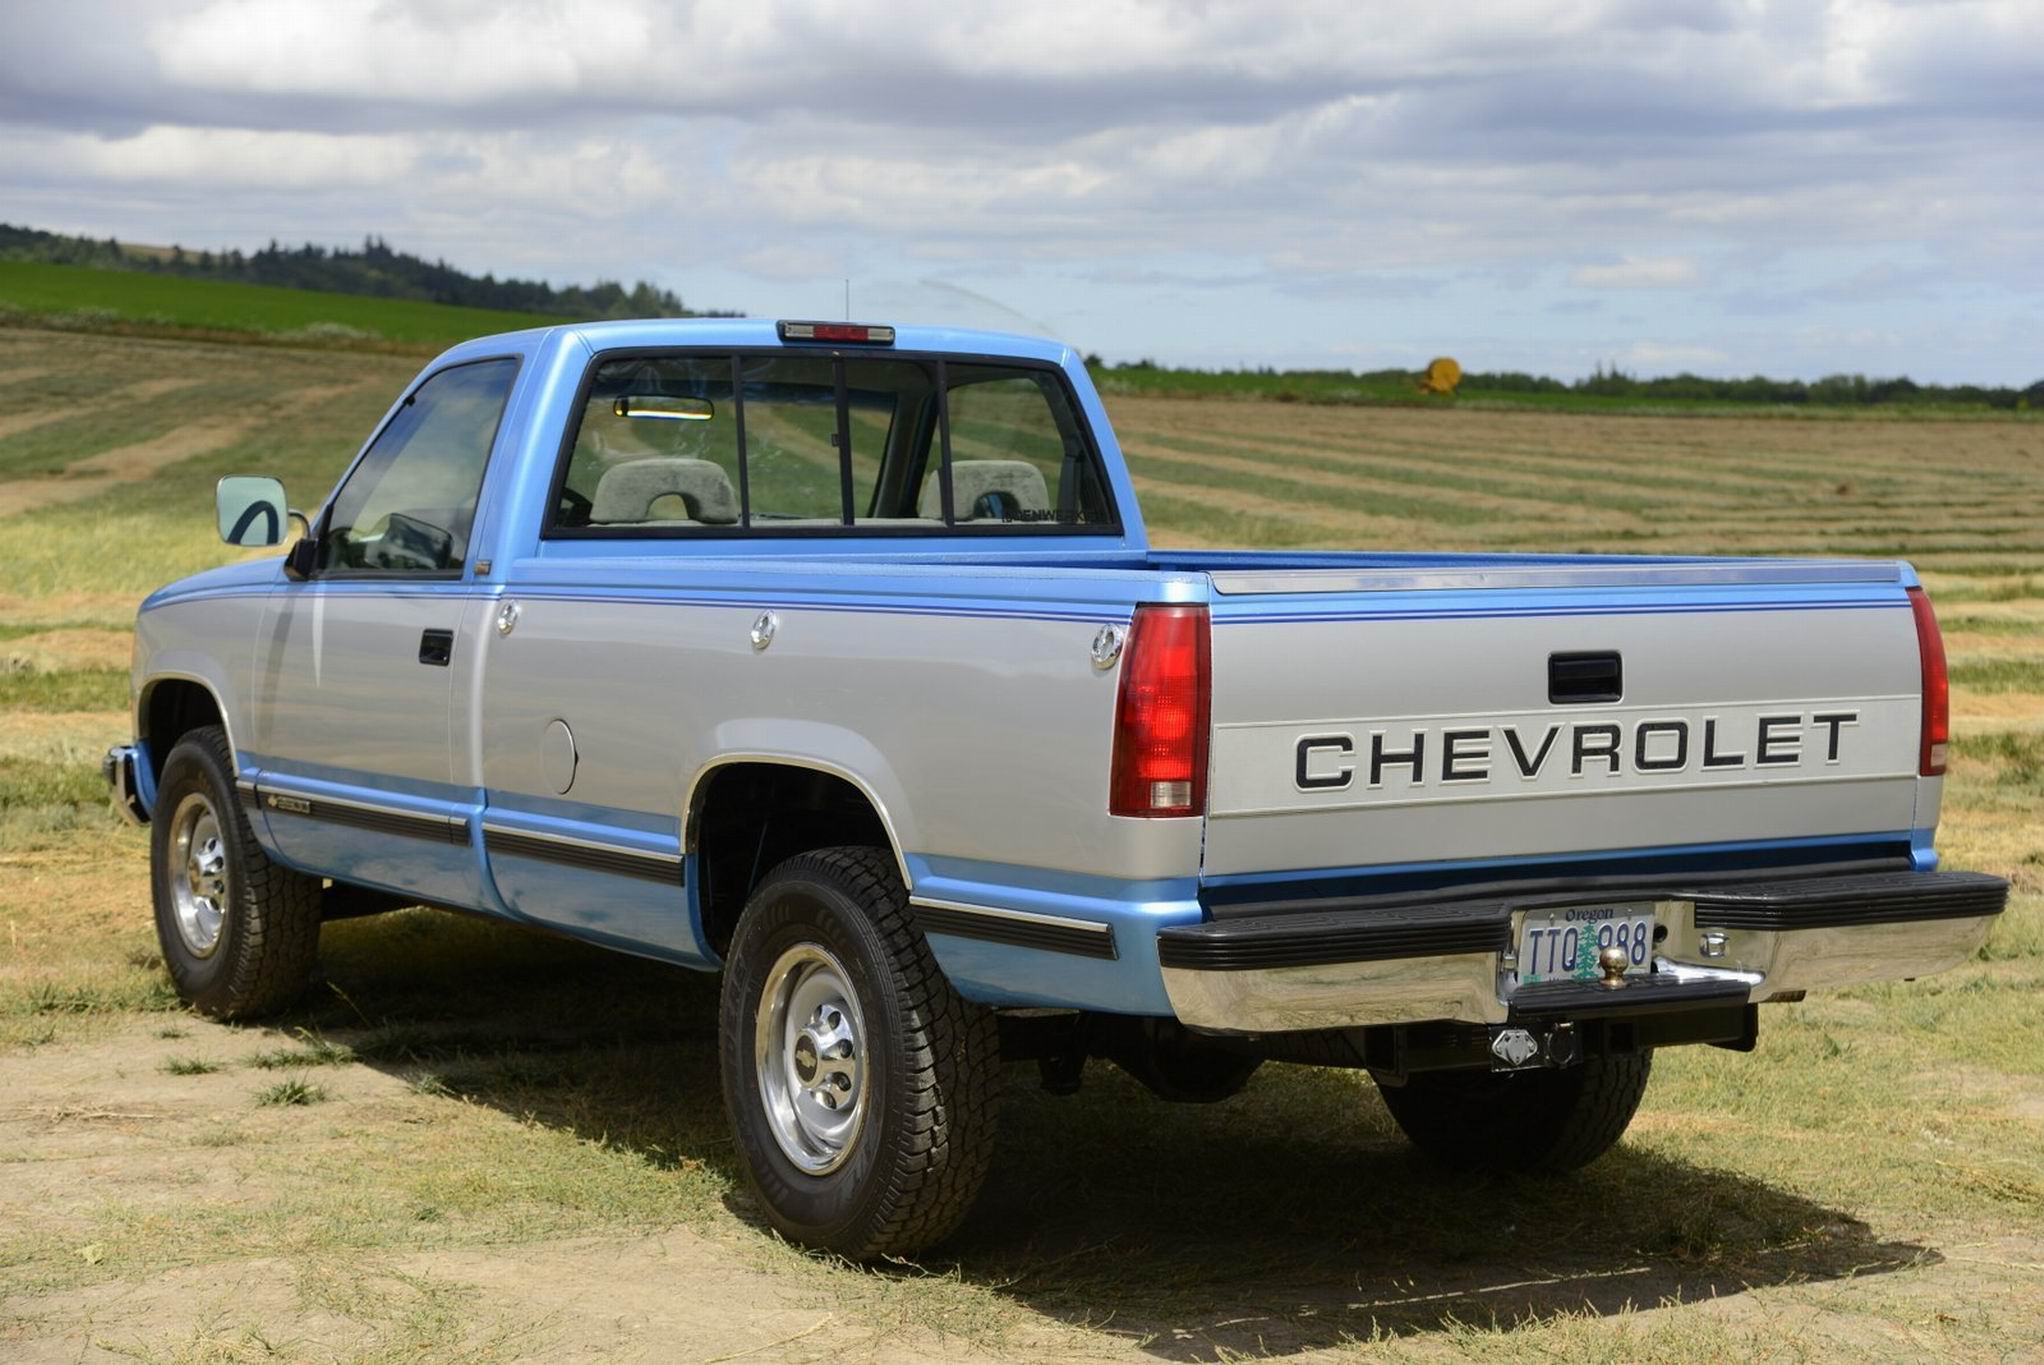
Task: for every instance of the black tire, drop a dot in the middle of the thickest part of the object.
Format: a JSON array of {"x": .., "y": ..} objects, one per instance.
[
  {"x": 1536, "y": 1121},
  {"x": 268, "y": 929},
  {"x": 930, "y": 1063}
]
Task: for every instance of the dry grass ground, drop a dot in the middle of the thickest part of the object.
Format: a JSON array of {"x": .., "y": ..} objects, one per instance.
[{"x": 471, "y": 1143}]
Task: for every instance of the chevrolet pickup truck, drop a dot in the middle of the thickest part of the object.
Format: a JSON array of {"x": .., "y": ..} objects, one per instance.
[{"x": 834, "y": 657}]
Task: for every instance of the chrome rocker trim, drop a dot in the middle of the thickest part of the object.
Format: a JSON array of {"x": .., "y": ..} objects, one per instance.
[
  {"x": 365, "y": 815},
  {"x": 1016, "y": 928},
  {"x": 590, "y": 855},
  {"x": 1266, "y": 975}
]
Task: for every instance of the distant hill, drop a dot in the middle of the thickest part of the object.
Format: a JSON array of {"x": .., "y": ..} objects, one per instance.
[
  {"x": 377, "y": 270},
  {"x": 77, "y": 298}
]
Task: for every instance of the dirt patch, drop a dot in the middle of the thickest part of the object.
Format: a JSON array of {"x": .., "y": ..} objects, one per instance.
[
  {"x": 15, "y": 424},
  {"x": 53, "y": 651},
  {"x": 1973, "y": 712},
  {"x": 147, "y": 389},
  {"x": 88, "y": 1126},
  {"x": 1965, "y": 646},
  {"x": 61, "y": 607},
  {"x": 123, "y": 465}
]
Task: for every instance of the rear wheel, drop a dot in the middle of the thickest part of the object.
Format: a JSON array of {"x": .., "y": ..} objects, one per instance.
[
  {"x": 861, "y": 1088},
  {"x": 239, "y": 933},
  {"x": 1521, "y": 1120}
]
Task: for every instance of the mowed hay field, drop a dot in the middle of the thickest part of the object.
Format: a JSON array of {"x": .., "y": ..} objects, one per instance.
[{"x": 473, "y": 1143}]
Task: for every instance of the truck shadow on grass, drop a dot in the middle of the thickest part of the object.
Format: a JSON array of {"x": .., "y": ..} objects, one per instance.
[{"x": 1290, "y": 1218}]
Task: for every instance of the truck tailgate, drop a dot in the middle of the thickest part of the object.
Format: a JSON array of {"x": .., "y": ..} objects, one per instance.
[{"x": 1373, "y": 717}]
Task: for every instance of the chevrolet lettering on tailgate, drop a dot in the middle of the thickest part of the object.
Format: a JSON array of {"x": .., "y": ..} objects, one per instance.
[{"x": 1455, "y": 756}]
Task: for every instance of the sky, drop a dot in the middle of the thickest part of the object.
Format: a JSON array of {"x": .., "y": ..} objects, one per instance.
[{"x": 1721, "y": 186}]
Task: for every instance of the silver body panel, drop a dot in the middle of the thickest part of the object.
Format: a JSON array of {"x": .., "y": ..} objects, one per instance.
[{"x": 1277, "y": 684}]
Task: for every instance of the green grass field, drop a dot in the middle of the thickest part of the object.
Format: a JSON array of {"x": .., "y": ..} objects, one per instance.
[
  {"x": 474, "y": 1143},
  {"x": 79, "y": 297}
]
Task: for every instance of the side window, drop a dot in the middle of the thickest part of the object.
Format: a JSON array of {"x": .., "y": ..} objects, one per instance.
[
  {"x": 657, "y": 446},
  {"x": 1017, "y": 452},
  {"x": 409, "y": 505}
]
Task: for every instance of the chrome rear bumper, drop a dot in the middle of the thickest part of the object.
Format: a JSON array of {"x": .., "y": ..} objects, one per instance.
[
  {"x": 118, "y": 768},
  {"x": 1755, "y": 941}
]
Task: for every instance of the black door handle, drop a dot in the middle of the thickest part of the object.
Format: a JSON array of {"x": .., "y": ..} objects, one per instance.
[
  {"x": 1575, "y": 679},
  {"x": 436, "y": 647}
]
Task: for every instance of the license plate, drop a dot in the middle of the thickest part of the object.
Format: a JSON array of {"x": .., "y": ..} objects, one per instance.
[{"x": 1563, "y": 944}]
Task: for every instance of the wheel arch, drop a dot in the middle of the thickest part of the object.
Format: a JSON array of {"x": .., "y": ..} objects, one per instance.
[
  {"x": 745, "y": 812},
  {"x": 170, "y": 705}
]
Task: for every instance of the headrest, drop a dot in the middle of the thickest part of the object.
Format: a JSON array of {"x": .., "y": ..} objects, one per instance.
[
  {"x": 626, "y": 492},
  {"x": 987, "y": 489}
]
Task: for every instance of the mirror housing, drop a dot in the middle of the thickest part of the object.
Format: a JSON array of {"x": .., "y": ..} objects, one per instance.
[
  {"x": 252, "y": 510},
  {"x": 301, "y": 559}
]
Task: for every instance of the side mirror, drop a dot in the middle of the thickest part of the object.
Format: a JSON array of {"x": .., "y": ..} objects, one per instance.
[{"x": 252, "y": 510}]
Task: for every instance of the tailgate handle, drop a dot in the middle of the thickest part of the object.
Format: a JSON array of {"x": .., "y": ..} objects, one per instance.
[{"x": 1579, "y": 679}]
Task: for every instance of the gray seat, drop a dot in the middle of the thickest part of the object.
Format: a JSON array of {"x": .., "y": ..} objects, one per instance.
[
  {"x": 987, "y": 489},
  {"x": 626, "y": 493}
]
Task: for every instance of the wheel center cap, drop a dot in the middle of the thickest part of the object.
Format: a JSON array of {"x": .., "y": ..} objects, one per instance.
[{"x": 805, "y": 1059}]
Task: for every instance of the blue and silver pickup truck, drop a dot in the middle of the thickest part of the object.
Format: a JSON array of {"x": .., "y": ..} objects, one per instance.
[{"x": 834, "y": 657}]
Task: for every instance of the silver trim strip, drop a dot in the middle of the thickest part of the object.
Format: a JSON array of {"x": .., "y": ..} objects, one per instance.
[
  {"x": 1090, "y": 926},
  {"x": 493, "y": 827},
  {"x": 1249, "y": 582}
]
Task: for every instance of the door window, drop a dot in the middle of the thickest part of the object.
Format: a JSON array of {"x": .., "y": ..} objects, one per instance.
[{"x": 410, "y": 503}]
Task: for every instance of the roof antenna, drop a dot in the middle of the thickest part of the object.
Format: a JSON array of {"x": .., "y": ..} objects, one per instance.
[{"x": 848, "y": 300}]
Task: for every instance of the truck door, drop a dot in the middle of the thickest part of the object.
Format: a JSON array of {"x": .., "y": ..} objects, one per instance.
[{"x": 353, "y": 665}]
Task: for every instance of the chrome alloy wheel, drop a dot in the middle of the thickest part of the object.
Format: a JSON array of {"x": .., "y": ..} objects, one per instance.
[
  {"x": 198, "y": 874},
  {"x": 809, "y": 1051}
]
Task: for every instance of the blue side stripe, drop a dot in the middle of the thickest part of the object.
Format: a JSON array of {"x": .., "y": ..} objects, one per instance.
[{"x": 753, "y": 600}]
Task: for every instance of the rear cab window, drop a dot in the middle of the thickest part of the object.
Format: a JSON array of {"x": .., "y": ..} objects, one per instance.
[{"x": 795, "y": 443}]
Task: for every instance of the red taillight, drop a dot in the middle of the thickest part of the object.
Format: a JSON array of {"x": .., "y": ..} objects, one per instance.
[
  {"x": 1937, "y": 687},
  {"x": 1160, "y": 720}
]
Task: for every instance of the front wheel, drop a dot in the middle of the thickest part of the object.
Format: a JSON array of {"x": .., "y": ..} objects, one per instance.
[
  {"x": 861, "y": 1088},
  {"x": 239, "y": 933},
  {"x": 1521, "y": 1120}
]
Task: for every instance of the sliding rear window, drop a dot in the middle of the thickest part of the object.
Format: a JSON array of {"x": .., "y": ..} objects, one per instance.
[{"x": 795, "y": 443}]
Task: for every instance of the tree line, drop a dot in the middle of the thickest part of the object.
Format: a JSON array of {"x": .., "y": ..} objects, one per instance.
[
  {"x": 1604, "y": 382},
  {"x": 377, "y": 269}
]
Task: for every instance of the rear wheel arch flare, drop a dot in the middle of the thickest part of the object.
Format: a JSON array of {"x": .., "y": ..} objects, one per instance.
[{"x": 744, "y": 815}]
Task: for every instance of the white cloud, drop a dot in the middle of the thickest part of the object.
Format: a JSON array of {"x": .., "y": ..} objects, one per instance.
[
  {"x": 231, "y": 157},
  {"x": 1408, "y": 178},
  {"x": 1637, "y": 272}
]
